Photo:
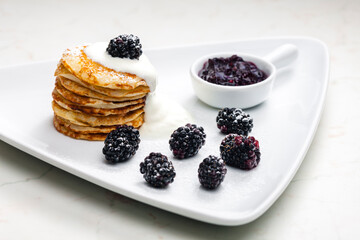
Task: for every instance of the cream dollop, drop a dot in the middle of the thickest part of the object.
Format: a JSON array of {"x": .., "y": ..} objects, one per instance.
[
  {"x": 142, "y": 67},
  {"x": 162, "y": 116}
]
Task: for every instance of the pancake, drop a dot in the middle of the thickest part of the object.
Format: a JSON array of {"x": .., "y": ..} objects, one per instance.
[
  {"x": 90, "y": 99},
  {"x": 62, "y": 72},
  {"x": 136, "y": 123},
  {"x": 90, "y": 120},
  {"x": 84, "y": 91},
  {"x": 93, "y": 102},
  {"x": 85, "y": 136},
  {"x": 95, "y": 111},
  {"x": 82, "y": 67}
]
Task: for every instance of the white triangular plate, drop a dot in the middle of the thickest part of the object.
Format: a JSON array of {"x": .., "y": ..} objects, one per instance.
[{"x": 284, "y": 125}]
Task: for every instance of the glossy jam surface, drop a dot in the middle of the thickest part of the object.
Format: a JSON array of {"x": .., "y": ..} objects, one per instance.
[{"x": 232, "y": 71}]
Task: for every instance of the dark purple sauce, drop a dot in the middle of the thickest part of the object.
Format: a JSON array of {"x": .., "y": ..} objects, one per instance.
[{"x": 232, "y": 71}]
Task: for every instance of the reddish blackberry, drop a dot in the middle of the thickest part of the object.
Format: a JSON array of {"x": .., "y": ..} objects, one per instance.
[
  {"x": 125, "y": 46},
  {"x": 157, "y": 170},
  {"x": 121, "y": 144},
  {"x": 234, "y": 120},
  {"x": 186, "y": 141},
  {"x": 212, "y": 172},
  {"x": 240, "y": 151}
]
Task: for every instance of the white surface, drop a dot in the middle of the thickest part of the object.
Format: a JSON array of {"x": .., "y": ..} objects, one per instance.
[
  {"x": 282, "y": 56},
  {"x": 244, "y": 195},
  {"x": 38, "y": 201}
]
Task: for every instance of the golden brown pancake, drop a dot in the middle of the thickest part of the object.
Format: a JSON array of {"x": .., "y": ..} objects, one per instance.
[
  {"x": 93, "y": 102},
  {"x": 84, "y": 91},
  {"x": 90, "y": 100},
  {"x": 61, "y": 71},
  {"x": 136, "y": 123},
  {"x": 85, "y": 136},
  {"x": 82, "y": 67},
  {"x": 90, "y": 120},
  {"x": 94, "y": 111}
]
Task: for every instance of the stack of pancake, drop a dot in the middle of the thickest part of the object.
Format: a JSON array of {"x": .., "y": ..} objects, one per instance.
[{"x": 90, "y": 100}]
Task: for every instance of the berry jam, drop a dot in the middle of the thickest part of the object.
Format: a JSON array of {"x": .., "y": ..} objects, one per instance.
[{"x": 232, "y": 71}]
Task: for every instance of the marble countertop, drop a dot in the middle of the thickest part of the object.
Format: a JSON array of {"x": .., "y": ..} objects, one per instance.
[{"x": 38, "y": 200}]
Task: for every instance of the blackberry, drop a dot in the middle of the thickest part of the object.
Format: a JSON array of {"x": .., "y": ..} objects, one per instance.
[
  {"x": 186, "y": 141},
  {"x": 234, "y": 120},
  {"x": 240, "y": 151},
  {"x": 157, "y": 170},
  {"x": 121, "y": 144},
  {"x": 125, "y": 46},
  {"x": 212, "y": 172}
]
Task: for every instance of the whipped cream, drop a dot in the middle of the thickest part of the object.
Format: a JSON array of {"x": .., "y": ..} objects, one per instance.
[
  {"x": 162, "y": 116},
  {"x": 141, "y": 68}
]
